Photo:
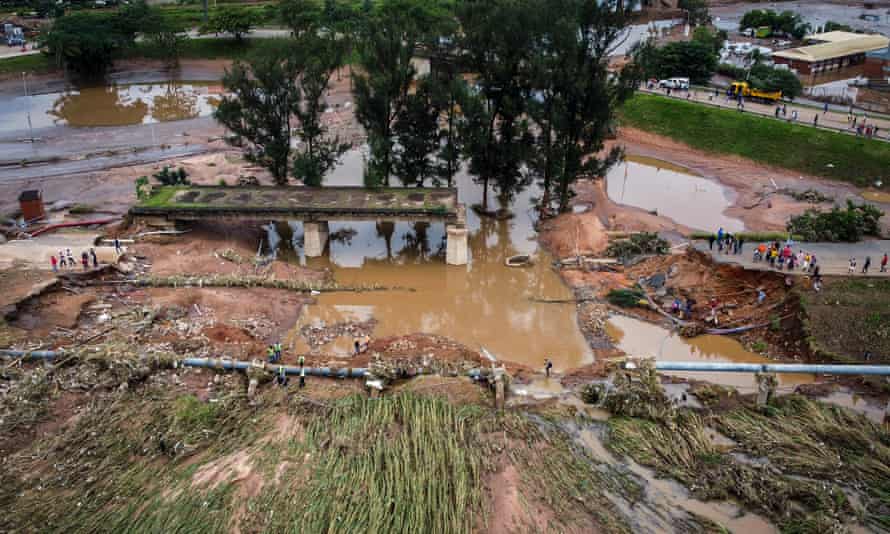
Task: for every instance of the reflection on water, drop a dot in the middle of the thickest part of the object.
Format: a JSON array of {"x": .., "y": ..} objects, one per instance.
[
  {"x": 672, "y": 191},
  {"x": 484, "y": 303},
  {"x": 112, "y": 105},
  {"x": 639, "y": 338}
]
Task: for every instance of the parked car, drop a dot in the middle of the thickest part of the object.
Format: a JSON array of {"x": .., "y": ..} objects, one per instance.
[{"x": 674, "y": 83}]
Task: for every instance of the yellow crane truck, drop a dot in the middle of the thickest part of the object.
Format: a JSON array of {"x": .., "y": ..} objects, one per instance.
[{"x": 746, "y": 91}]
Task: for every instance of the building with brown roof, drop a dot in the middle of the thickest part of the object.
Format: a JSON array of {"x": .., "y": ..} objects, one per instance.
[{"x": 830, "y": 51}]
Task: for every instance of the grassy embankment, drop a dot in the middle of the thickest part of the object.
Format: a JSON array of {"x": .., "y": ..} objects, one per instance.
[
  {"x": 800, "y": 148},
  {"x": 848, "y": 318},
  {"x": 152, "y": 459}
]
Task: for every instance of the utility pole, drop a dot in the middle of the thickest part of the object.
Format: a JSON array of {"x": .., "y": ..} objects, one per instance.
[{"x": 30, "y": 127}]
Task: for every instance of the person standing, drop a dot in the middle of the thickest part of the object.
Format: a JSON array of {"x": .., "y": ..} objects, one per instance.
[
  {"x": 815, "y": 120},
  {"x": 71, "y": 260},
  {"x": 94, "y": 258},
  {"x": 85, "y": 260},
  {"x": 866, "y": 265},
  {"x": 548, "y": 366},
  {"x": 270, "y": 354},
  {"x": 851, "y": 268},
  {"x": 825, "y": 109},
  {"x": 884, "y": 263},
  {"x": 761, "y": 295},
  {"x": 711, "y": 242},
  {"x": 55, "y": 263},
  {"x": 117, "y": 246},
  {"x": 278, "y": 351}
]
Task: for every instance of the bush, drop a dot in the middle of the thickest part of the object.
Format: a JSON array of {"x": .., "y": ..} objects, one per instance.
[
  {"x": 849, "y": 224},
  {"x": 626, "y": 298},
  {"x": 636, "y": 245},
  {"x": 174, "y": 177}
]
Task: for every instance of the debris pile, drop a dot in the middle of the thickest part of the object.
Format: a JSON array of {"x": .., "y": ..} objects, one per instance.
[{"x": 320, "y": 334}]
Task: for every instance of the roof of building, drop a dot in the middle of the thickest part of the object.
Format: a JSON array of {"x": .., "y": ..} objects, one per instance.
[
  {"x": 831, "y": 50},
  {"x": 833, "y": 37},
  {"x": 29, "y": 195}
]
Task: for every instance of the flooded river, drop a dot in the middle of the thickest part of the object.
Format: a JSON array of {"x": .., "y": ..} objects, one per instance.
[
  {"x": 483, "y": 304},
  {"x": 673, "y": 192},
  {"x": 639, "y": 338},
  {"x": 112, "y": 105}
]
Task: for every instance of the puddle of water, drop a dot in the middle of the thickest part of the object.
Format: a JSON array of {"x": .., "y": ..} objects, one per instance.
[
  {"x": 483, "y": 304},
  {"x": 673, "y": 191},
  {"x": 112, "y": 105},
  {"x": 639, "y": 338},
  {"x": 670, "y": 494},
  {"x": 540, "y": 388},
  {"x": 665, "y": 496}
]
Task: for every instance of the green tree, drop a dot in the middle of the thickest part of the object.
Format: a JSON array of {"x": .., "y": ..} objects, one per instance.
[
  {"x": 574, "y": 107},
  {"x": 696, "y": 11},
  {"x": 263, "y": 95},
  {"x": 317, "y": 153},
  {"x": 86, "y": 43},
  {"x": 693, "y": 59},
  {"x": 301, "y": 16},
  {"x": 236, "y": 21},
  {"x": 771, "y": 79},
  {"x": 498, "y": 39},
  {"x": 384, "y": 74},
  {"x": 417, "y": 133},
  {"x": 714, "y": 40}
]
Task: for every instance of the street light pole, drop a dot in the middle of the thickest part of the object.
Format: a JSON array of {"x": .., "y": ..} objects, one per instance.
[{"x": 30, "y": 127}]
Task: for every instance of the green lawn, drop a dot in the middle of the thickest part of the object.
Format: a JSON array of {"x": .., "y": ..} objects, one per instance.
[
  {"x": 34, "y": 63},
  {"x": 800, "y": 148}
]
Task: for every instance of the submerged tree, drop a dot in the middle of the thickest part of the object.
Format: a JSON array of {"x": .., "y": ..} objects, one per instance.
[
  {"x": 577, "y": 104},
  {"x": 384, "y": 74},
  {"x": 264, "y": 93},
  {"x": 318, "y": 152},
  {"x": 417, "y": 131},
  {"x": 498, "y": 38}
]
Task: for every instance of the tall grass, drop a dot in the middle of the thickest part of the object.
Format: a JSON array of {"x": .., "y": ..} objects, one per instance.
[{"x": 400, "y": 464}]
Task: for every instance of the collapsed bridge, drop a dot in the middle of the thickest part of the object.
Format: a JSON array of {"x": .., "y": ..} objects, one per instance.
[{"x": 315, "y": 206}]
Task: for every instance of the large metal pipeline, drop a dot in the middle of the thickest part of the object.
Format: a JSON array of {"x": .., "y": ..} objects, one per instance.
[
  {"x": 234, "y": 365},
  {"x": 840, "y": 369},
  {"x": 361, "y": 372},
  {"x": 211, "y": 363}
]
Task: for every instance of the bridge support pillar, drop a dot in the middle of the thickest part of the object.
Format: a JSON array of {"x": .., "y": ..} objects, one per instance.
[
  {"x": 315, "y": 237},
  {"x": 456, "y": 252}
]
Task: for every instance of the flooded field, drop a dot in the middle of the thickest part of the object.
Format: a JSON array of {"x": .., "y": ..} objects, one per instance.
[
  {"x": 639, "y": 338},
  {"x": 113, "y": 105},
  {"x": 673, "y": 192},
  {"x": 483, "y": 304}
]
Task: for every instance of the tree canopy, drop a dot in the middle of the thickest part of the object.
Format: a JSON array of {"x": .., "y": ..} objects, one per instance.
[
  {"x": 236, "y": 21},
  {"x": 786, "y": 22}
]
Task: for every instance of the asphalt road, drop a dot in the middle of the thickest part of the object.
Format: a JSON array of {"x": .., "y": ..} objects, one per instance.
[{"x": 833, "y": 258}]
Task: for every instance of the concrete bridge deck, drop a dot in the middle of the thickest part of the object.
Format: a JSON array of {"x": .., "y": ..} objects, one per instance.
[
  {"x": 301, "y": 203},
  {"x": 315, "y": 206}
]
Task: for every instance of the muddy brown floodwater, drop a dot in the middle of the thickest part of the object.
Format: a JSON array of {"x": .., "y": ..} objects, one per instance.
[
  {"x": 483, "y": 304},
  {"x": 112, "y": 105},
  {"x": 672, "y": 191},
  {"x": 639, "y": 338}
]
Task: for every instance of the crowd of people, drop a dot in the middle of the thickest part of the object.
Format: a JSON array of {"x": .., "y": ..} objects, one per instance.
[{"x": 65, "y": 260}]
